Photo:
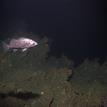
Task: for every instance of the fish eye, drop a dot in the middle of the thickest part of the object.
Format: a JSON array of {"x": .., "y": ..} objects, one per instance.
[{"x": 34, "y": 43}]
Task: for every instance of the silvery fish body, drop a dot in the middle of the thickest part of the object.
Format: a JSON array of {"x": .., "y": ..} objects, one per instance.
[{"x": 20, "y": 43}]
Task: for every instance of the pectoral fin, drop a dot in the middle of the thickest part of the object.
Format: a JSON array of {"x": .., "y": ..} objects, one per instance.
[{"x": 24, "y": 49}]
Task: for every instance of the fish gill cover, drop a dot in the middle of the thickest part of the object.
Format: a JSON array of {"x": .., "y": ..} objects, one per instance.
[{"x": 48, "y": 81}]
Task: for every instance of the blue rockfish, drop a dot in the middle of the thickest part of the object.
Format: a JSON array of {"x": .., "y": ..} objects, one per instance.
[{"x": 19, "y": 43}]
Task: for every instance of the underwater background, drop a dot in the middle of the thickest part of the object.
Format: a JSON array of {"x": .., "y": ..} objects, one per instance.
[{"x": 35, "y": 78}]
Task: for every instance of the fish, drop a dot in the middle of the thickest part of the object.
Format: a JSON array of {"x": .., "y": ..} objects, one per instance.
[{"x": 22, "y": 43}]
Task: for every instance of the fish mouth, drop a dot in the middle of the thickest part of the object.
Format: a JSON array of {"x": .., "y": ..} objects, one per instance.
[{"x": 34, "y": 44}]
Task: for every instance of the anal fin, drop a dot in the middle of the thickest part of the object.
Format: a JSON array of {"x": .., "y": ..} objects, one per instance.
[{"x": 14, "y": 50}]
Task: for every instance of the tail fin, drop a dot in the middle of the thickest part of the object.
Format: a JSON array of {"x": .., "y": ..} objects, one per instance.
[{"x": 5, "y": 46}]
